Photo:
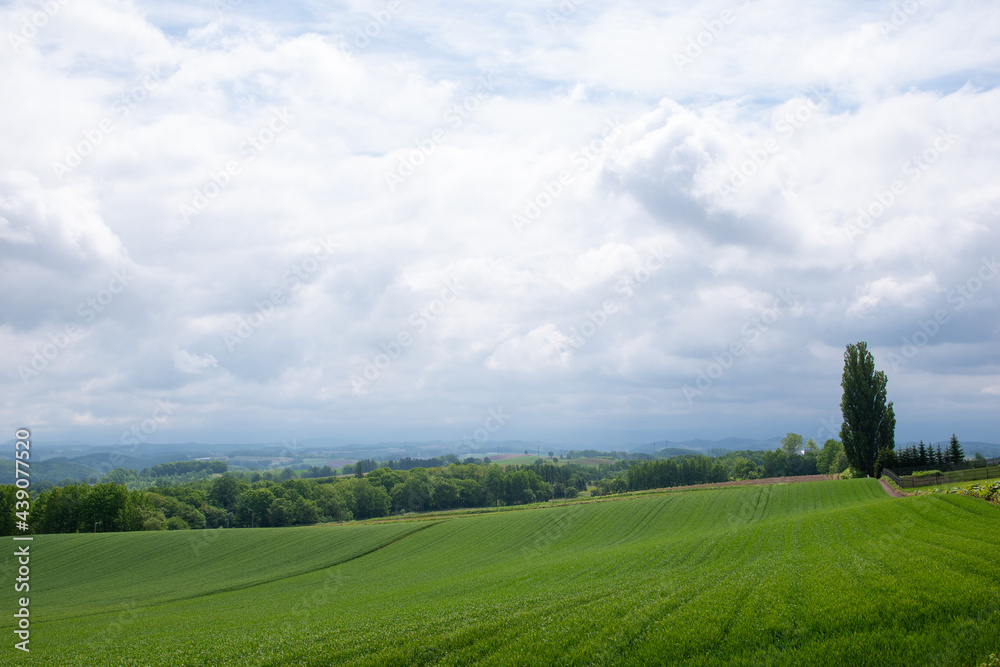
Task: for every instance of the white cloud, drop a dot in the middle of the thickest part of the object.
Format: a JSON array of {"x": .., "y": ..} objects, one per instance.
[
  {"x": 193, "y": 363},
  {"x": 750, "y": 167},
  {"x": 887, "y": 292},
  {"x": 532, "y": 352}
]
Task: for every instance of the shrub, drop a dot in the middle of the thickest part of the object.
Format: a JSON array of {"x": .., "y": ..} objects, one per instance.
[
  {"x": 177, "y": 523},
  {"x": 990, "y": 492},
  {"x": 927, "y": 473},
  {"x": 155, "y": 522}
]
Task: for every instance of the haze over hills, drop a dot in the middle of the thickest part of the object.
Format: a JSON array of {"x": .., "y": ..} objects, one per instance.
[{"x": 81, "y": 459}]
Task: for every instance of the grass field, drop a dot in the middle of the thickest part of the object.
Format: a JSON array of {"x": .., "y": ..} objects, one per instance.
[{"x": 824, "y": 573}]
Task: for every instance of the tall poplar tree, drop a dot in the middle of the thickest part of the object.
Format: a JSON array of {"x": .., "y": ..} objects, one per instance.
[{"x": 869, "y": 423}]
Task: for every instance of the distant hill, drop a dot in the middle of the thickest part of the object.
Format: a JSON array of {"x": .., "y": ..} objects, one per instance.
[
  {"x": 987, "y": 449},
  {"x": 674, "y": 447},
  {"x": 715, "y": 447},
  {"x": 82, "y": 459},
  {"x": 44, "y": 471}
]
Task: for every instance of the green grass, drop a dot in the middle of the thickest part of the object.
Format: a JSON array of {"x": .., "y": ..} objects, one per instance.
[
  {"x": 148, "y": 568},
  {"x": 522, "y": 460},
  {"x": 823, "y": 573}
]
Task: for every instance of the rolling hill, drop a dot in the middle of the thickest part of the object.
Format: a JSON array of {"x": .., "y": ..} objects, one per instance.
[{"x": 814, "y": 573}]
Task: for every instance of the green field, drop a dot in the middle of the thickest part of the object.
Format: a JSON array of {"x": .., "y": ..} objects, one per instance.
[
  {"x": 522, "y": 460},
  {"x": 823, "y": 573}
]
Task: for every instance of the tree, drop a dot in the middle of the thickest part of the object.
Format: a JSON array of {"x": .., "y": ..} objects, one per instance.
[
  {"x": 370, "y": 500},
  {"x": 279, "y": 513},
  {"x": 792, "y": 444},
  {"x": 886, "y": 459},
  {"x": 775, "y": 463},
  {"x": 177, "y": 523},
  {"x": 387, "y": 477},
  {"x": 495, "y": 483},
  {"x": 955, "y": 453},
  {"x": 808, "y": 463},
  {"x": 869, "y": 422},
  {"x": 828, "y": 459},
  {"x": 306, "y": 511},
  {"x": 225, "y": 491},
  {"x": 252, "y": 507},
  {"x": 744, "y": 468},
  {"x": 8, "y": 498}
]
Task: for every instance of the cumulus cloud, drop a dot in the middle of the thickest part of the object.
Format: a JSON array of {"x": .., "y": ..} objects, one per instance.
[{"x": 314, "y": 223}]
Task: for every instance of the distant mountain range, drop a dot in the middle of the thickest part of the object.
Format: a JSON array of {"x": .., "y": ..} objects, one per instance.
[
  {"x": 80, "y": 460},
  {"x": 987, "y": 449}
]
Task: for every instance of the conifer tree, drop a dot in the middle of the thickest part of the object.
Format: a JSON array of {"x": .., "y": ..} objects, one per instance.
[{"x": 955, "y": 453}]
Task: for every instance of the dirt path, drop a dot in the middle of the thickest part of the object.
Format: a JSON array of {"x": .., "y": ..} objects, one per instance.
[{"x": 891, "y": 490}]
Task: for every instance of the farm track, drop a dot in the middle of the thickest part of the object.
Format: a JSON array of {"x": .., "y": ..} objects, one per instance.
[{"x": 891, "y": 490}]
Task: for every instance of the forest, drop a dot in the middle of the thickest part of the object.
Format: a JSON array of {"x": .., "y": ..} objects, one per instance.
[{"x": 123, "y": 500}]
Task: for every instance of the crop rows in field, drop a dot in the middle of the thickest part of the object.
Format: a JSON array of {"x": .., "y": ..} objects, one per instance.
[{"x": 827, "y": 572}]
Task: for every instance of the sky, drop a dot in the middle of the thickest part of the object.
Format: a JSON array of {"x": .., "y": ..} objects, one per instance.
[{"x": 583, "y": 222}]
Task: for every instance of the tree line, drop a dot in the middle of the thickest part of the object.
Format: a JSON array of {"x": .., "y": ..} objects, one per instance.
[
  {"x": 919, "y": 455},
  {"x": 232, "y": 500}
]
